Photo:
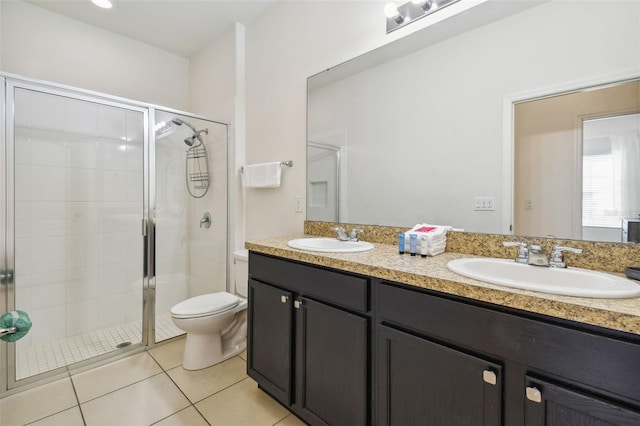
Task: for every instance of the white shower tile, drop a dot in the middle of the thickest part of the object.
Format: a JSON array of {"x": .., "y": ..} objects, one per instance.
[
  {"x": 22, "y": 146},
  {"x": 48, "y": 294},
  {"x": 82, "y": 284},
  {"x": 135, "y": 126},
  {"x": 84, "y": 184},
  {"x": 48, "y": 112},
  {"x": 134, "y": 186},
  {"x": 113, "y": 248},
  {"x": 22, "y": 183},
  {"x": 135, "y": 156},
  {"x": 112, "y": 122},
  {"x": 112, "y": 154},
  {"x": 82, "y": 117},
  {"x": 82, "y": 317},
  {"x": 134, "y": 247},
  {"x": 22, "y": 216},
  {"x": 82, "y": 251},
  {"x": 114, "y": 186},
  {"x": 112, "y": 217},
  {"x": 22, "y": 256},
  {"x": 48, "y": 219},
  {"x": 83, "y": 218},
  {"x": 82, "y": 151},
  {"x": 47, "y": 324},
  {"x": 112, "y": 279},
  {"x": 48, "y": 183},
  {"x": 112, "y": 310},
  {"x": 48, "y": 148},
  {"x": 22, "y": 108},
  {"x": 48, "y": 254}
]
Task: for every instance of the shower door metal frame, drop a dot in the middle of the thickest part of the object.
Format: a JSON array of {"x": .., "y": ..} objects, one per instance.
[
  {"x": 7, "y": 259},
  {"x": 8, "y": 384}
]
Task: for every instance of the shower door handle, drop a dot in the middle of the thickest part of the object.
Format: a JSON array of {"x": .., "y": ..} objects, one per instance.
[{"x": 6, "y": 276}]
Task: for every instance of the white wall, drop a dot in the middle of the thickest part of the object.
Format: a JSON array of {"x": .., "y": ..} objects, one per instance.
[
  {"x": 40, "y": 44},
  {"x": 290, "y": 42}
]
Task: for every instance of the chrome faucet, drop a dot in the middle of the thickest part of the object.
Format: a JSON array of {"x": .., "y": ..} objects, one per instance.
[
  {"x": 556, "y": 260},
  {"x": 354, "y": 234},
  {"x": 537, "y": 256},
  {"x": 343, "y": 236},
  {"x": 523, "y": 251}
]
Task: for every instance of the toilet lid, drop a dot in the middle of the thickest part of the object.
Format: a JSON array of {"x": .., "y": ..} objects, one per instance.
[{"x": 207, "y": 304}]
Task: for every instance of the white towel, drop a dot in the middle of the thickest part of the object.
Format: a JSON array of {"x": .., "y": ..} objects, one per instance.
[{"x": 262, "y": 175}]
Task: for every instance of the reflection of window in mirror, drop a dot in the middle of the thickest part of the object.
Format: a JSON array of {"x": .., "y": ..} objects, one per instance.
[
  {"x": 549, "y": 189},
  {"x": 610, "y": 175}
]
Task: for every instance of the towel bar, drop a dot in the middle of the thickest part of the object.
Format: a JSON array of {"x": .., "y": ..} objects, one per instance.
[{"x": 288, "y": 163}]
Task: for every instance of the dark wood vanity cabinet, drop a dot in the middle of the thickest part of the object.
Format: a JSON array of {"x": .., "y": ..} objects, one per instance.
[
  {"x": 442, "y": 361},
  {"x": 344, "y": 349},
  {"x": 308, "y": 341}
]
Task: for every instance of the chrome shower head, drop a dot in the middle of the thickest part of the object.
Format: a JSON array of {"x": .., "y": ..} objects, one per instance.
[{"x": 189, "y": 141}]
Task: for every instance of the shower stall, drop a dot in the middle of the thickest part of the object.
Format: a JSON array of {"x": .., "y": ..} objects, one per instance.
[{"x": 112, "y": 212}]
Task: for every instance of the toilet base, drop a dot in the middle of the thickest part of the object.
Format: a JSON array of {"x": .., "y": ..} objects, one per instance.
[{"x": 202, "y": 351}]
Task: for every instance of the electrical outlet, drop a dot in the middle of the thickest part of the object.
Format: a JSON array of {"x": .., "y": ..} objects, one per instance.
[
  {"x": 528, "y": 204},
  {"x": 299, "y": 204},
  {"x": 484, "y": 203}
]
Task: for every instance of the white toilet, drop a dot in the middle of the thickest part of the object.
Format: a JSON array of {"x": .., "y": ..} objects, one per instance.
[{"x": 215, "y": 323}]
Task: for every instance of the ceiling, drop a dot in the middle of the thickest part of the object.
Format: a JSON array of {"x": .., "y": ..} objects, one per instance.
[{"x": 179, "y": 26}]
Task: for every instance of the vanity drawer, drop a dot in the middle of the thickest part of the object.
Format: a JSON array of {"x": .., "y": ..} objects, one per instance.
[{"x": 337, "y": 288}]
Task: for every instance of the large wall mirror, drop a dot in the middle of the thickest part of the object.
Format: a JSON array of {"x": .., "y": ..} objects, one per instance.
[{"x": 481, "y": 130}]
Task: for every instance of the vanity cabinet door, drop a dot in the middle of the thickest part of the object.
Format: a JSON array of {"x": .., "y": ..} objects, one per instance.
[
  {"x": 549, "y": 404},
  {"x": 420, "y": 382},
  {"x": 332, "y": 365},
  {"x": 269, "y": 353}
]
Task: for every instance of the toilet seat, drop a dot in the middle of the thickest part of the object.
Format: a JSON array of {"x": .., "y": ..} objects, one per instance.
[{"x": 204, "y": 305}]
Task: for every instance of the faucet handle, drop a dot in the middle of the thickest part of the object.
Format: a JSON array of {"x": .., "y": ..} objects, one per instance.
[
  {"x": 342, "y": 234},
  {"x": 556, "y": 259},
  {"x": 354, "y": 234},
  {"x": 523, "y": 251}
]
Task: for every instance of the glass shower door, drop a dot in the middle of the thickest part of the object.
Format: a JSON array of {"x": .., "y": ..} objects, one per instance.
[{"x": 75, "y": 204}]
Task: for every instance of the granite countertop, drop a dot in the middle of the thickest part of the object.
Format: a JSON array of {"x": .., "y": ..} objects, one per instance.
[{"x": 432, "y": 273}]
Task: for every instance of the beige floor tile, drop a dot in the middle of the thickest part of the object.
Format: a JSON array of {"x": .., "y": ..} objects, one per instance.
[
  {"x": 199, "y": 384},
  {"x": 108, "y": 378},
  {"x": 70, "y": 417},
  {"x": 241, "y": 404},
  {"x": 142, "y": 403},
  {"x": 37, "y": 403},
  {"x": 243, "y": 355},
  {"x": 290, "y": 420},
  {"x": 187, "y": 417},
  {"x": 169, "y": 355}
]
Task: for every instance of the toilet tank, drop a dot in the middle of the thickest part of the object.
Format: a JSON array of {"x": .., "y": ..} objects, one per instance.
[{"x": 241, "y": 271}]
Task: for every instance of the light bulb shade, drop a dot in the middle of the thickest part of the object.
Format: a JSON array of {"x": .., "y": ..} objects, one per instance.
[
  {"x": 105, "y": 4},
  {"x": 391, "y": 10}
]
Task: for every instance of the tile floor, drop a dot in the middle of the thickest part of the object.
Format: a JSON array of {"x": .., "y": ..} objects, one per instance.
[{"x": 149, "y": 388}]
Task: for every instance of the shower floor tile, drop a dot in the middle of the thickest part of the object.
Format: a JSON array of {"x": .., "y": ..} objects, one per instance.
[{"x": 36, "y": 359}]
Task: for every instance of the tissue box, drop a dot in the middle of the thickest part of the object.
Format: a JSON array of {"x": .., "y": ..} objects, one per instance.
[{"x": 436, "y": 238}]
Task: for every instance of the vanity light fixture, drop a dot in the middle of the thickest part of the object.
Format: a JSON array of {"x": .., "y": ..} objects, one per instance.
[
  {"x": 391, "y": 12},
  {"x": 399, "y": 16},
  {"x": 105, "y": 4}
]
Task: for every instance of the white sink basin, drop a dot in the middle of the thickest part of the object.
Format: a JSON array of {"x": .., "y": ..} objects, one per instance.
[
  {"x": 329, "y": 245},
  {"x": 569, "y": 282}
]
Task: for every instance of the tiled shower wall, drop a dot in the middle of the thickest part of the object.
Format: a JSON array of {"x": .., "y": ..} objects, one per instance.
[{"x": 78, "y": 191}]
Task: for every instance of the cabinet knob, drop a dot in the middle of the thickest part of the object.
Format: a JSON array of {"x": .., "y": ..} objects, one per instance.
[
  {"x": 489, "y": 377},
  {"x": 533, "y": 394},
  {"x": 297, "y": 304},
  {"x": 284, "y": 299}
]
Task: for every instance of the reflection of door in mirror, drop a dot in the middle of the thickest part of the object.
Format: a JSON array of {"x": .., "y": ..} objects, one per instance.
[
  {"x": 323, "y": 182},
  {"x": 548, "y": 189},
  {"x": 610, "y": 175}
]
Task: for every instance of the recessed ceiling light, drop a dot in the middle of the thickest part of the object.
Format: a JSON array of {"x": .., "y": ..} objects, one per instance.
[{"x": 105, "y": 4}]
